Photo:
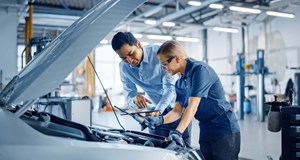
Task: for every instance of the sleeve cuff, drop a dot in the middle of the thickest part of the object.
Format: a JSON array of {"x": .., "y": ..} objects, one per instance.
[
  {"x": 161, "y": 108},
  {"x": 131, "y": 104}
]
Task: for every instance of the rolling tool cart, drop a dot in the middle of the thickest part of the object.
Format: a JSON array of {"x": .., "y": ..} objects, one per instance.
[{"x": 290, "y": 134}]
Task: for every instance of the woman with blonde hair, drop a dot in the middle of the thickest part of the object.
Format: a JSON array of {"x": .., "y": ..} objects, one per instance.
[{"x": 200, "y": 94}]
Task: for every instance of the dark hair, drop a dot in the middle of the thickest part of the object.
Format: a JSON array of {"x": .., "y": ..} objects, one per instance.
[{"x": 122, "y": 38}]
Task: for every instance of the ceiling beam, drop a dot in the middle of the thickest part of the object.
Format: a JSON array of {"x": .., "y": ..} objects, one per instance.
[
  {"x": 178, "y": 14},
  {"x": 63, "y": 3},
  {"x": 148, "y": 12}
]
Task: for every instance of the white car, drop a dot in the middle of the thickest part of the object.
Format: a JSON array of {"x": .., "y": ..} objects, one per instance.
[{"x": 32, "y": 135}]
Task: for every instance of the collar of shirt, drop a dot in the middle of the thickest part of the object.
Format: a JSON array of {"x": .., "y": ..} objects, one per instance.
[{"x": 188, "y": 68}]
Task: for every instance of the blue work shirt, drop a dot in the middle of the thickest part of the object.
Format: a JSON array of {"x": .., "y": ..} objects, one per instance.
[
  {"x": 214, "y": 111},
  {"x": 159, "y": 85}
]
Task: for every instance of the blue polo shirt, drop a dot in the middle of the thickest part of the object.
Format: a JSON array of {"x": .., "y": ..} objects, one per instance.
[{"x": 214, "y": 112}]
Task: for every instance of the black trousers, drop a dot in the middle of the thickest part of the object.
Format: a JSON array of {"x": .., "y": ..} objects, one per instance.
[
  {"x": 225, "y": 147},
  {"x": 164, "y": 129}
]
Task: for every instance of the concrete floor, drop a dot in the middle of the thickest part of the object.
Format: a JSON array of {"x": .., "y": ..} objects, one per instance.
[{"x": 257, "y": 142}]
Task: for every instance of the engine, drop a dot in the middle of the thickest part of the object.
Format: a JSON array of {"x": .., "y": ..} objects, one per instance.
[{"x": 52, "y": 125}]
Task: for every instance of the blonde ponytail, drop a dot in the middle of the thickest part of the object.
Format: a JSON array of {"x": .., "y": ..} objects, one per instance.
[{"x": 172, "y": 48}]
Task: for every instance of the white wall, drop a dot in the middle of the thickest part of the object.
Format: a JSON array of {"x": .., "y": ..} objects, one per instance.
[
  {"x": 222, "y": 51},
  {"x": 278, "y": 36},
  {"x": 280, "y": 39},
  {"x": 107, "y": 66},
  {"x": 194, "y": 49},
  {"x": 8, "y": 44}
]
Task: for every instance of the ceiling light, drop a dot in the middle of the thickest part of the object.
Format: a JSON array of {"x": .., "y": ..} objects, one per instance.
[
  {"x": 194, "y": 3},
  {"x": 274, "y": 1},
  {"x": 159, "y": 44},
  {"x": 280, "y": 14},
  {"x": 159, "y": 37},
  {"x": 104, "y": 41},
  {"x": 144, "y": 43},
  {"x": 169, "y": 24},
  {"x": 151, "y": 22},
  {"x": 247, "y": 10},
  {"x": 216, "y": 6},
  {"x": 223, "y": 29},
  {"x": 187, "y": 39},
  {"x": 138, "y": 35}
]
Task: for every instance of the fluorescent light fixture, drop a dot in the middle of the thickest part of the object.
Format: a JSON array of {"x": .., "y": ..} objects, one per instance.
[
  {"x": 187, "y": 39},
  {"x": 247, "y": 10},
  {"x": 144, "y": 43},
  {"x": 138, "y": 35},
  {"x": 104, "y": 41},
  {"x": 159, "y": 37},
  {"x": 194, "y": 3},
  {"x": 274, "y": 1},
  {"x": 280, "y": 14},
  {"x": 216, "y": 6},
  {"x": 151, "y": 22},
  {"x": 169, "y": 24},
  {"x": 223, "y": 29}
]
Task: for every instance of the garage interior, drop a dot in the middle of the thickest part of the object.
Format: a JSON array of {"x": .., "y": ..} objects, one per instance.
[{"x": 251, "y": 44}]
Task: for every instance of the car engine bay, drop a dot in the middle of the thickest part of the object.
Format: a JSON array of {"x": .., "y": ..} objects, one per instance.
[{"x": 52, "y": 125}]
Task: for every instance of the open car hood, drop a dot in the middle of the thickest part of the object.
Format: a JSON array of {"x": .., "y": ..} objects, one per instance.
[
  {"x": 64, "y": 53},
  {"x": 52, "y": 137}
]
